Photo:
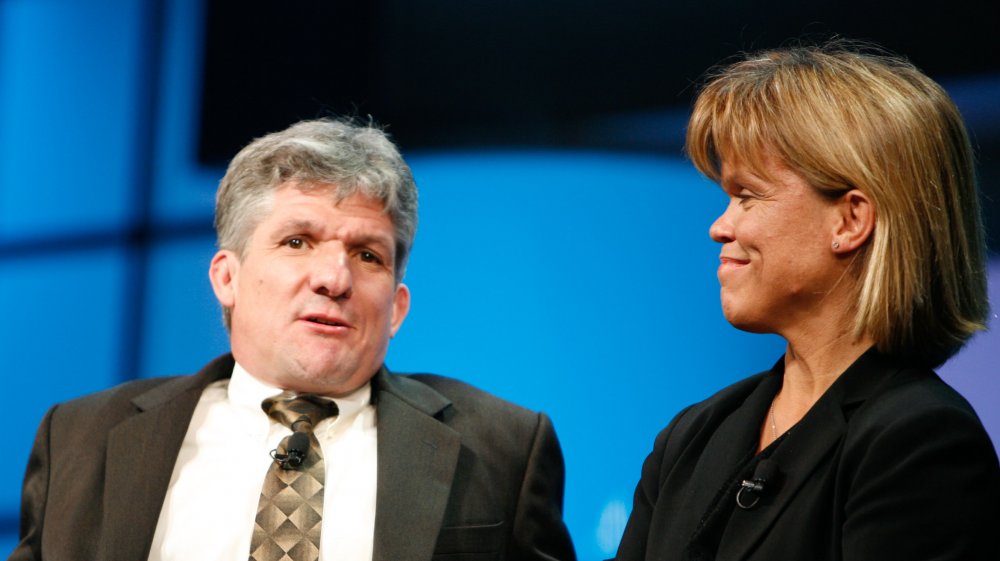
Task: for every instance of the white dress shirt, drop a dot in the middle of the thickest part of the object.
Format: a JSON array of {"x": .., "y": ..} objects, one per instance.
[{"x": 211, "y": 503}]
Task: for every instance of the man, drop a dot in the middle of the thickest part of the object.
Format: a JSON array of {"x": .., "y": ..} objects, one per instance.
[{"x": 314, "y": 227}]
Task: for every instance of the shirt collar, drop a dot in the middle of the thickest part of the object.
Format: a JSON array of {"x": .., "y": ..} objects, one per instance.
[{"x": 247, "y": 392}]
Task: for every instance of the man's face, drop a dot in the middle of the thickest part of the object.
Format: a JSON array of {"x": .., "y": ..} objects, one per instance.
[{"x": 314, "y": 300}]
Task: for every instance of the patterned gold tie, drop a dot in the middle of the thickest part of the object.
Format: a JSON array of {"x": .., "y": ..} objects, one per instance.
[{"x": 290, "y": 511}]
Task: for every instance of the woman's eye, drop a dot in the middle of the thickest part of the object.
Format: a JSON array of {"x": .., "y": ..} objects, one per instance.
[{"x": 295, "y": 243}]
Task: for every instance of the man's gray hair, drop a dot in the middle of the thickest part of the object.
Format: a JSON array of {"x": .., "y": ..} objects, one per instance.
[{"x": 341, "y": 155}]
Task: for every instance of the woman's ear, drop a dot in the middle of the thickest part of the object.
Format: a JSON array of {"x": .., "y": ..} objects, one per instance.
[{"x": 855, "y": 224}]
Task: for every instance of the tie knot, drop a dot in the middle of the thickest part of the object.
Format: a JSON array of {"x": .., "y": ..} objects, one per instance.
[{"x": 299, "y": 412}]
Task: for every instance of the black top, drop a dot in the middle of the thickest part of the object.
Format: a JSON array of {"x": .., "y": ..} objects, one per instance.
[{"x": 890, "y": 463}]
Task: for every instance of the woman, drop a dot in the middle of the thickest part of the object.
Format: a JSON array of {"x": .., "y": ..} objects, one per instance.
[{"x": 853, "y": 232}]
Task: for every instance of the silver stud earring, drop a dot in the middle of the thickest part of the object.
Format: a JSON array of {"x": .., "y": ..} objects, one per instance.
[{"x": 836, "y": 245}]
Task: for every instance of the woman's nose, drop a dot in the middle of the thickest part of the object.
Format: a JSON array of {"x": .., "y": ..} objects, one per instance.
[{"x": 721, "y": 230}]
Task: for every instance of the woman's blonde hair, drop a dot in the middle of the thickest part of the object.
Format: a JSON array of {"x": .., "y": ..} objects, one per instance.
[{"x": 846, "y": 118}]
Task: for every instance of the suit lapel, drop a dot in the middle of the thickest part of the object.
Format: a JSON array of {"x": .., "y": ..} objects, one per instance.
[
  {"x": 417, "y": 456},
  {"x": 803, "y": 450},
  {"x": 140, "y": 460},
  {"x": 730, "y": 447},
  {"x": 796, "y": 458}
]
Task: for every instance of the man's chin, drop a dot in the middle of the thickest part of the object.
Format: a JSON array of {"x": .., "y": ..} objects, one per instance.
[{"x": 328, "y": 382}]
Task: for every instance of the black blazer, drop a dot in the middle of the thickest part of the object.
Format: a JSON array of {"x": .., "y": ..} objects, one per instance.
[
  {"x": 461, "y": 474},
  {"x": 890, "y": 463}
]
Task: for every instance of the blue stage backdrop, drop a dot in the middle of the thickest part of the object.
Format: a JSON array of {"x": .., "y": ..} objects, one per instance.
[{"x": 579, "y": 283}]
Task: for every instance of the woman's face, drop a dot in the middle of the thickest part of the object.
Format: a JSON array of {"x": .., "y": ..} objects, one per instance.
[{"x": 776, "y": 263}]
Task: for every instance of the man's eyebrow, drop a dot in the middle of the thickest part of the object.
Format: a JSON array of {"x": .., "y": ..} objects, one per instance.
[
  {"x": 365, "y": 238},
  {"x": 297, "y": 224},
  {"x": 307, "y": 226}
]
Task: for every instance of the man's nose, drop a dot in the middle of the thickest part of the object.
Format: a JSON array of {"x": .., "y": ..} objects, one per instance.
[{"x": 331, "y": 272}]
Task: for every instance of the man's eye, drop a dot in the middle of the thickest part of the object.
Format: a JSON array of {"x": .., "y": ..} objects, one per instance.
[
  {"x": 369, "y": 257},
  {"x": 295, "y": 243}
]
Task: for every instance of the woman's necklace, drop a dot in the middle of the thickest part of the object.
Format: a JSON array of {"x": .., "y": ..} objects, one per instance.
[{"x": 774, "y": 426}]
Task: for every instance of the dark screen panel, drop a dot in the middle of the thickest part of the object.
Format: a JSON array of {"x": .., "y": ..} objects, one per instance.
[
  {"x": 524, "y": 72},
  {"x": 268, "y": 64}
]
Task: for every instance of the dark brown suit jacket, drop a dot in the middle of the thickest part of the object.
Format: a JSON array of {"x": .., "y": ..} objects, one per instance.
[
  {"x": 461, "y": 474},
  {"x": 890, "y": 464}
]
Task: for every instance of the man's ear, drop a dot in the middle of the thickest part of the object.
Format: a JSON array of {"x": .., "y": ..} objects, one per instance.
[
  {"x": 856, "y": 222},
  {"x": 222, "y": 272},
  {"x": 400, "y": 307}
]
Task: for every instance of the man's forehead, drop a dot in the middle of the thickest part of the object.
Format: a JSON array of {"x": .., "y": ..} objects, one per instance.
[
  {"x": 292, "y": 215},
  {"x": 337, "y": 193}
]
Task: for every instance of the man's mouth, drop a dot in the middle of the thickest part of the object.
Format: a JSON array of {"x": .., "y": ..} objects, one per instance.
[{"x": 334, "y": 322}]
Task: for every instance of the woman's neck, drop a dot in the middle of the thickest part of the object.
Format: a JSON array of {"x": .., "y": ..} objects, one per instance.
[
  {"x": 810, "y": 369},
  {"x": 812, "y": 364}
]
